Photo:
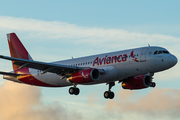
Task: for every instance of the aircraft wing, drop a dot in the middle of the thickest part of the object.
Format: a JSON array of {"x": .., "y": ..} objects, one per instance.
[{"x": 63, "y": 70}]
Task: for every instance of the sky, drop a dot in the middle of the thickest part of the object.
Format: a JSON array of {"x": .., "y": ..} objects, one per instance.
[{"x": 57, "y": 30}]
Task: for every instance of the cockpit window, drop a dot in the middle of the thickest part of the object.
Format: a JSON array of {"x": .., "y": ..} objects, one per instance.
[
  {"x": 155, "y": 52},
  {"x": 160, "y": 52},
  {"x": 166, "y": 52}
]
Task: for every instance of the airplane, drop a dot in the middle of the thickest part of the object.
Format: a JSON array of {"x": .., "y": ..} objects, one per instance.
[{"x": 134, "y": 68}]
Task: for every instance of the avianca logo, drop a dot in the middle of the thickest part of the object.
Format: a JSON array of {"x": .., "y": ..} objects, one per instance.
[
  {"x": 113, "y": 59},
  {"x": 132, "y": 55},
  {"x": 85, "y": 76}
]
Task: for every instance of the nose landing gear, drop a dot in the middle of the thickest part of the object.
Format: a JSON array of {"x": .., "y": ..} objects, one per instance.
[{"x": 153, "y": 84}]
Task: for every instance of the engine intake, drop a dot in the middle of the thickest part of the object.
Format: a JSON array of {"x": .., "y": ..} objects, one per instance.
[
  {"x": 85, "y": 76},
  {"x": 137, "y": 82}
]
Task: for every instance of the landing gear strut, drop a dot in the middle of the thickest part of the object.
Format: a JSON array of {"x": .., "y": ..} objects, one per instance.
[
  {"x": 109, "y": 94},
  {"x": 74, "y": 90}
]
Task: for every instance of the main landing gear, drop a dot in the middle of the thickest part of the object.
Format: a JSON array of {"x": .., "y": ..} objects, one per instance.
[
  {"x": 109, "y": 94},
  {"x": 74, "y": 90}
]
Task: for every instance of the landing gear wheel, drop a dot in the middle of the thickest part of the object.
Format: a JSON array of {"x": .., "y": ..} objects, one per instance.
[
  {"x": 71, "y": 90},
  {"x": 153, "y": 84},
  {"x": 109, "y": 94},
  {"x": 106, "y": 94},
  {"x": 76, "y": 92}
]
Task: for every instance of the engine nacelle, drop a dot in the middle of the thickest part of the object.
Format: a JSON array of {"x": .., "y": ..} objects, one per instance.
[
  {"x": 137, "y": 82},
  {"x": 85, "y": 76}
]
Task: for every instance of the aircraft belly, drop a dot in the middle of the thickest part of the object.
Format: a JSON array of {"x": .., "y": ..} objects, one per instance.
[
  {"x": 110, "y": 74},
  {"x": 52, "y": 79},
  {"x": 133, "y": 69}
]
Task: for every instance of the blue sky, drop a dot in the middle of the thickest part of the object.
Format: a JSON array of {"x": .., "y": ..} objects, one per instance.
[{"x": 56, "y": 30}]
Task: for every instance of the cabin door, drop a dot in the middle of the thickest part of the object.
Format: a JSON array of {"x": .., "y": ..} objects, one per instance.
[{"x": 143, "y": 55}]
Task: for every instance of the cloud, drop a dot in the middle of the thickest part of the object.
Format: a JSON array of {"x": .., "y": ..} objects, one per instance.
[
  {"x": 66, "y": 34},
  {"x": 23, "y": 102},
  {"x": 92, "y": 35},
  {"x": 157, "y": 103},
  {"x": 85, "y": 37}
]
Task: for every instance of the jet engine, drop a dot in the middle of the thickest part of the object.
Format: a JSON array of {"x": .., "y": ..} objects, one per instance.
[
  {"x": 85, "y": 76},
  {"x": 138, "y": 82}
]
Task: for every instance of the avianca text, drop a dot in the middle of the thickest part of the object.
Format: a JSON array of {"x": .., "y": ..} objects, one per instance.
[{"x": 109, "y": 60}]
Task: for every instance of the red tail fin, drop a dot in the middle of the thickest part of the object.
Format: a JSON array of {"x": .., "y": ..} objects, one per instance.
[{"x": 17, "y": 49}]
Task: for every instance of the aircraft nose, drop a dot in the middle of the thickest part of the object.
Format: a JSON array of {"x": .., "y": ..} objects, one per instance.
[{"x": 172, "y": 60}]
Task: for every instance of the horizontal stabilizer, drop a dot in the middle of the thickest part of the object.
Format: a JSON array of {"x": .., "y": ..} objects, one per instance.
[{"x": 10, "y": 74}]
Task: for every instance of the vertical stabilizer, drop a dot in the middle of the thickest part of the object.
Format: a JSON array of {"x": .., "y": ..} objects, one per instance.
[{"x": 17, "y": 49}]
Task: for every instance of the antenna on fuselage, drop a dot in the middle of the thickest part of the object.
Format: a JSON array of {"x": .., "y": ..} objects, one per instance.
[
  {"x": 148, "y": 45},
  {"x": 72, "y": 57}
]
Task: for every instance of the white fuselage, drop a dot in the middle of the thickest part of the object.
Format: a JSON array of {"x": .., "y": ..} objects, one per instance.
[{"x": 116, "y": 65}]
